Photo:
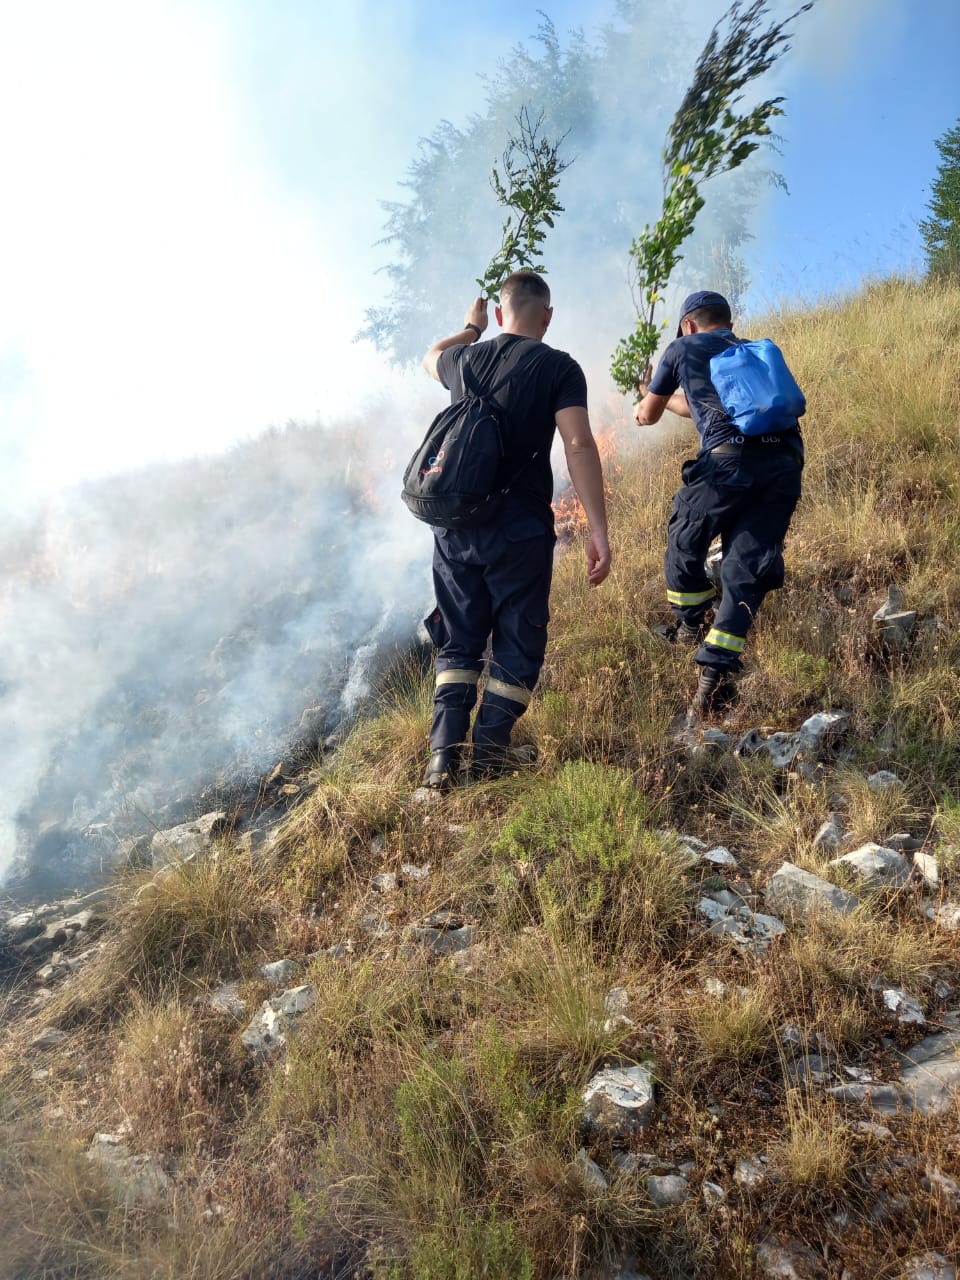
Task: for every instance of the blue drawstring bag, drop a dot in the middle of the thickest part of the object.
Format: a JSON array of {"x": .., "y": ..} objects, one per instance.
[{"x": 757, "y": 390}]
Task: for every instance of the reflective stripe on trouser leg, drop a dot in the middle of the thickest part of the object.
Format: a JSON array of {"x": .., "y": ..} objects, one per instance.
[
  {"x": 721, "y": 649},
  {"x": 723, "y": 640},
  {"x": 454, "y": 697},
  {"x": 502, "y": 706},
  {"x": 688, "y": 599}
]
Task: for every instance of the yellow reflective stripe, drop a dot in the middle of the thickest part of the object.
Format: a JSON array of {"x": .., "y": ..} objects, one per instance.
[
  {"x": 691, "y": 597},
  {"x": 457, "y": 675},
  {"x": 723, "y": 640},
  {"x": 515, "y": 692}
]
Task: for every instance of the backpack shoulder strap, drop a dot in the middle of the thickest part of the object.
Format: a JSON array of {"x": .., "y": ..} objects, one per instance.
[{"x": 471, "y": 384}]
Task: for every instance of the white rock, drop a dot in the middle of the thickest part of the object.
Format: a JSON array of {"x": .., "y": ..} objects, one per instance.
[
  {"x": 793, "y": 891},
  {"x": 590, "y": 1172},
  {"x": 748, "y": 930},
  {"x": 790, "y": 1261},
  {"x": 905, "y": 1007},
  {"x": 618, "y": 1102},
  {"x": 882, "y": 780},
  {"x": 187, "y": 841},
  {"x": 750, "y": 1171},
  {"x": 929, "y": 1266},
  {"x": 136, "y": 1180},
  {"x": 821, "y": 730},
  {"x": 830, "y": 835},
  {"x": 628, "y": 1087},
  {"x": 427, "y": 797},
  {"x": 876, "y": 867},
  {"x": 929, "y": 868},
  {"x": 667, "y": 1189},
  {"x": 268, "y": 1030},
  {"x": 874, "y": 1130},
  {"x": 947, "y": 916},
  {"x": 410, "y": 871},
  {"x": 49, "y": 1038},
  {"x": 277, "y": 972},
  {"x": 226, "y": 1000},
  {"x": 720, "y": 857},
  {"x": 385, "y": 882}
]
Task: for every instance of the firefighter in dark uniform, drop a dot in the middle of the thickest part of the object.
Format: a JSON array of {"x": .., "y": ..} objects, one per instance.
[
  {"x": 744, "y": 488},
  {"x": 493, "y": 582}
]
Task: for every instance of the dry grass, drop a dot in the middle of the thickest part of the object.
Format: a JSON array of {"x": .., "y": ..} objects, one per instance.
[
  {"x": 815, "y": 1153},
  {"x": 424, "y": 1121}
]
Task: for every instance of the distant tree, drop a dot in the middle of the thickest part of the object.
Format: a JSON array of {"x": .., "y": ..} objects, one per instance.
[
  {"x": 941, "y": 232},
  {"x": 608, "y": 96}
]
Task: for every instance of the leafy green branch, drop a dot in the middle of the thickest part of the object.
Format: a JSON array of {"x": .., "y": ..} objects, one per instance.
[
  {"x": 528, "y": 187},
  {"x": 707, "y": 137}
]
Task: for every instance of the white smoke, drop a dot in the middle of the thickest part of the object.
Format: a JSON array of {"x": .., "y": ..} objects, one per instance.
[{"x": 169, "y": 295}]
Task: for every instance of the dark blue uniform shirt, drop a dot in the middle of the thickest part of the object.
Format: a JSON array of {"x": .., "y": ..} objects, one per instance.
[{"x": 686, "y": 365}]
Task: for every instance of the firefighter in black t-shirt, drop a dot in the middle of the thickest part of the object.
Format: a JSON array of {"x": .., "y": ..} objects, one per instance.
[
  {"x": 744, "y": 488},
  {"x": 493, "y": 582}
]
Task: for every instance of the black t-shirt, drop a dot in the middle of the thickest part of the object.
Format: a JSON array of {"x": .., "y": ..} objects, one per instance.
[{"x": 551, "y": 381}]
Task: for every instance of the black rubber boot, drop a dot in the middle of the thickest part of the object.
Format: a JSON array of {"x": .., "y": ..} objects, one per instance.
[
  {"x": 716, "y": 689},
  {"x": 490, "y": 760},
  {"x": 687, "y": 634},
  {"x": 443, "y": 769}
]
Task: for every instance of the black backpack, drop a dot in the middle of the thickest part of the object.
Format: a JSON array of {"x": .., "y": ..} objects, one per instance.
[{"x": 455, "y": 479}]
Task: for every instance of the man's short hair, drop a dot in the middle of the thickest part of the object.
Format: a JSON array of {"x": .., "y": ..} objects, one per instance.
[
  {"x": 523, "y": 287},
  {"x": 708, "y": 317}
]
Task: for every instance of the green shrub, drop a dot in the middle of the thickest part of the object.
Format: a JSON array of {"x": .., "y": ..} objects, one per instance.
[{"x": 598, "y": 871}]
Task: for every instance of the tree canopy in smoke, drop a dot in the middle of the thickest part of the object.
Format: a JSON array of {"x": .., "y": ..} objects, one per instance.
[
  {"x": 707, "y": 137},
  {"x": 609, "y": 95}
]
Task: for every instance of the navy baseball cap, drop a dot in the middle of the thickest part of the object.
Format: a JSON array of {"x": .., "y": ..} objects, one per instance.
[{"x": 694, "y": 301}]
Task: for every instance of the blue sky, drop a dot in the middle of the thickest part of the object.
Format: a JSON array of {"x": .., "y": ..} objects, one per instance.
[{"x": 188, "y": 241}]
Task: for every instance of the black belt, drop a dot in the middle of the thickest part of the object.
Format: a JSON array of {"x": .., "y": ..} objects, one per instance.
[{"x": 786, "y": 439}]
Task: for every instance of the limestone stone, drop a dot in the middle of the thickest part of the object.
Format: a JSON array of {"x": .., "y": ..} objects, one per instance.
[
  {"x": 793, "y": 891},
  {"x": 276, "y": 1019},
  {"x": 188, "y": 840},
  {"x": 929, "y": 1080},
  {"x": 667, "y": 1189},
  {"x": 137, "y": 1181},
  {"x": 590, "y": 1172},
  {"x": 829, "y": 837},
  {"x": 882, "y": 780},
  {"x": 277, "y": 972},
  {"x": 876, "y": 867},
  {"x": 619, "y": 1101},
  {"x": 905, "y": 1008},
  {"x": 929, "y": 1266},
  {"x": 790, "y": 1260}
]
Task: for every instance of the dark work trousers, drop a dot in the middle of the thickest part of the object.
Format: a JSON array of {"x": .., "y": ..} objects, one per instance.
[
  {"x": 746, "y": 493},
  {"x": 491, "y": 582}
]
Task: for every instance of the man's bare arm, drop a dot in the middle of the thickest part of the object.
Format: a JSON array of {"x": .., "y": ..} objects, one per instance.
[
  {"x": 651, "y": 407},
  {"x": 476, "y": 316},
  {"x": 586, "y": 476}
]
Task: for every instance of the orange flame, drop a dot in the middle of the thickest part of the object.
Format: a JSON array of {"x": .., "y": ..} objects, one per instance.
[{"x": 571, "y": 519}]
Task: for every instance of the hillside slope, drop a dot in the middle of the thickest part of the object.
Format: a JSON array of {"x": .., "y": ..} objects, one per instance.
[{"x": 461, "y": 968}]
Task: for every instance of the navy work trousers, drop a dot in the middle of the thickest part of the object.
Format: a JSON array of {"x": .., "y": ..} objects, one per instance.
[
  {"x": 747, "y": 496},
  {"x": 491, "y": 583}
]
